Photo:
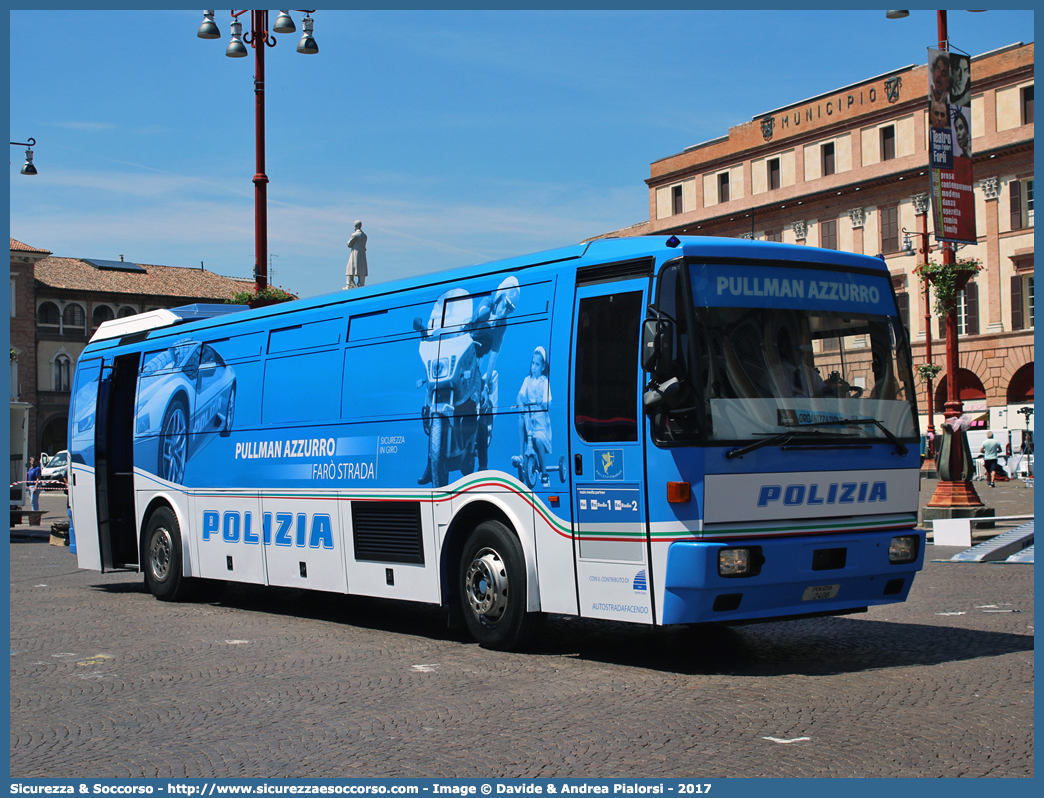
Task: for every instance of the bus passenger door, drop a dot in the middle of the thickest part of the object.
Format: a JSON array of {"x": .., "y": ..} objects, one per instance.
[
  {"x": 606, "y": 442},
  {"x": 114, "y": 462},
  {"x": 83, "y": 414}
]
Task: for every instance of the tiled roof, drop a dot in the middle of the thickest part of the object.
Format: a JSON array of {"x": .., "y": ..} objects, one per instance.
[
  {"x": 173, "y": 281},
  {"x": 18, "y": 246}
]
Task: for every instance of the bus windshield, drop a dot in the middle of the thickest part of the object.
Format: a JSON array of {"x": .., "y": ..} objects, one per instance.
[{"x": 788, "y": 351}]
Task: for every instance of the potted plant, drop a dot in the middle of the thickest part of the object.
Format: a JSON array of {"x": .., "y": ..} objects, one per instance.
[
  {"x": 928, "y": 371},
  {"x": 261, "y": 297},
  {"x": 948, "y": 280}
]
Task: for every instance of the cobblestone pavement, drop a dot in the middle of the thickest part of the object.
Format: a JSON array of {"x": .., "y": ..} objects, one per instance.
[
  {"x": 108, "y": 682},
  {"x": 1008, "y": 498}
]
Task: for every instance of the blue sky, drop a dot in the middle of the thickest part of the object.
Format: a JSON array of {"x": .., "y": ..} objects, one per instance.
[{"x": 456, "y": 137}]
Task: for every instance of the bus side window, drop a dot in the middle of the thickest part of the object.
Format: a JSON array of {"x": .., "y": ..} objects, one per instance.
[
  {"x": 84, "y": 406},
  {"x": 233, "y": 367},
  {"x": 302, "y": 388},
  {"x": 309, "y": 335},
  {"x": 390, "y": 370}
]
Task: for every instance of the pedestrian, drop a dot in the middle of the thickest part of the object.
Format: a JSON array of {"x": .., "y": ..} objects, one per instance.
[
  {"x": 990, "y": 451},
  {"x": 31, "y": 478}
]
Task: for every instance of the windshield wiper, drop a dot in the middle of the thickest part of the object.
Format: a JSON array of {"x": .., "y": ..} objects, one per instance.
[
  {"x": 900, "y": 447},
  {"x": 781, "y": 438},
  {"x": 785, "y": 437}
]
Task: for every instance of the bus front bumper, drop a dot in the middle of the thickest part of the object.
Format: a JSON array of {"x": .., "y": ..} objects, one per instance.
[{"x": 787, "y": 576}]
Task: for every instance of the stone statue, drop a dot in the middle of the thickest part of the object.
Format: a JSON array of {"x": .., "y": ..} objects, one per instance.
[{"x": 355, "y": 274}]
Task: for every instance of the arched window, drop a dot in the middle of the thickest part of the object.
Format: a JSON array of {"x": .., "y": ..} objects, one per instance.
[
  {"x": 62, "y": 372},
  {"x": 969, "y": 385},
  {"x": 102, "y": 314},
  {"x": 73, "y": 317},
  {"x": 47, "y": 314},
  {"x": 126, "y": 311},
  {"x": 1020, "y": 389},
  {"x": 54, "y": 436}
]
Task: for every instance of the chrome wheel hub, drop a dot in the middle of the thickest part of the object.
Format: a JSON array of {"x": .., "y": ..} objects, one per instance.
[
  {"x": 160, "y": 552},
  {"x": 486, "y": 586}
]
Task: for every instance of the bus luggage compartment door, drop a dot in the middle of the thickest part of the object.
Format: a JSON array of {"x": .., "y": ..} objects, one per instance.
[{"x": 232, "y": 538}]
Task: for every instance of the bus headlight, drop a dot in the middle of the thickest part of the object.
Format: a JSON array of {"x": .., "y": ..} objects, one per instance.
[
  {"x": 903, "y": 549},
  {"x": 733, "y": 562},
  {"x": 746, "y": 561}
]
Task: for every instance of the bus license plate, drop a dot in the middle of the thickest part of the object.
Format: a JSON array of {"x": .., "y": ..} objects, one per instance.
[{"x": 817, "y": 592}]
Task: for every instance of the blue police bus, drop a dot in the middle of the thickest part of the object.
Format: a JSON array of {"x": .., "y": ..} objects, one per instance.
[{"x": 653, "y": 430}]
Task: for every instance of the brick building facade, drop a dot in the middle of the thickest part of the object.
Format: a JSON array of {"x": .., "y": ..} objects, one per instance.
[
  {"x": 23, "y": 357},
  {"x": 849, "y": 170},
  {"x": 57, "y": 304}
]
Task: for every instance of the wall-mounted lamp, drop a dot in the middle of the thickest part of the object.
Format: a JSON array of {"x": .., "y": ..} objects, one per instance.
[{"x": 28, "y": 168}]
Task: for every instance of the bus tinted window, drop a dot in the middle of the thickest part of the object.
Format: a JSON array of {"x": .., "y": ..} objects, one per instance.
[{"x": 607, "y": 367}]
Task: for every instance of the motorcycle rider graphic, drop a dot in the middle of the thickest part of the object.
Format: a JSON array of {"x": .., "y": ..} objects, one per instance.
[
  {"x": 459, "y": 348},
  {"x": 487, "y": 327}
]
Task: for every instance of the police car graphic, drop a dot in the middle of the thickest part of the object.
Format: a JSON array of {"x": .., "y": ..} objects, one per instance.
[{"x": 186, "y": 391}]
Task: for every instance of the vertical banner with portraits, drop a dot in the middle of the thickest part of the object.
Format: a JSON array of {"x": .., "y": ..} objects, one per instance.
[{"x": 950, "y": 146}]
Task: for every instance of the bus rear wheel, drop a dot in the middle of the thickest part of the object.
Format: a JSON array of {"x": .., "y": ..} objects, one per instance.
[
  {"x": 493, "y": 589},
  {"x": 162, "y": 553}
]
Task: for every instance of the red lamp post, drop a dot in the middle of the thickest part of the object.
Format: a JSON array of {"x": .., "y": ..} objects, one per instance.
[
  {"x": 955, "y": 489},
  {"x": 921, "y": 208},
  {"x": 955, "y": 495},
  {"x": 257, "y": 37}
]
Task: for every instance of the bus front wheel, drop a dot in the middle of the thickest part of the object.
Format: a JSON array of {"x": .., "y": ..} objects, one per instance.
[
  {"x": 493, "y": 589},
  {"x": 163, "y": 570}
]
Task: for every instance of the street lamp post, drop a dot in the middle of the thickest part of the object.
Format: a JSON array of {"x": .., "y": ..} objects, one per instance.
[
  {"x": 953, "y": 491},
  {"x": 27, "y": 168},
  {"x": 921, "y": 208},
  {"x": 953, "y": 495},
  {"x": 258, "y": 37}
]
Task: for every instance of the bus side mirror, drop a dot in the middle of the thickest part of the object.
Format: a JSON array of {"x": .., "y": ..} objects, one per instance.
[
  {"x": 657, "y": 345},
  {"x": 658, "y": 395},
  {"x": 418, "y": 324}
]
